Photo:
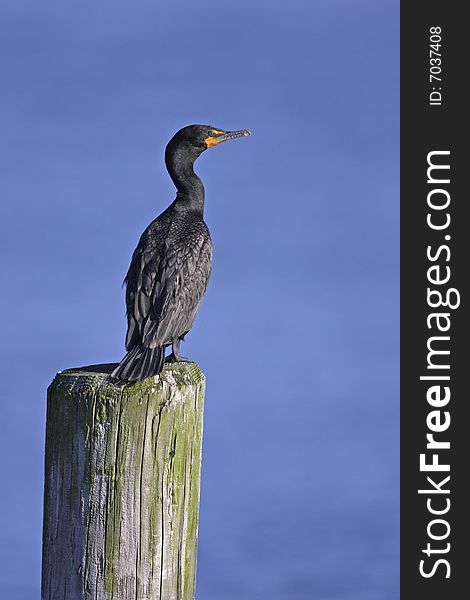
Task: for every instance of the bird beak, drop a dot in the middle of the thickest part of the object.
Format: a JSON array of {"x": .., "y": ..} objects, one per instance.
[{"x": 223, "y": 136}]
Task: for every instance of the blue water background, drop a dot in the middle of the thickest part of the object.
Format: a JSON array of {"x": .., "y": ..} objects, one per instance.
[{"x": 298, "y": 333}]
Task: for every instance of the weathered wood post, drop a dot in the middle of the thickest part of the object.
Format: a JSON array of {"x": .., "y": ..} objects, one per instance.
[{"x": 122, "y": 473}]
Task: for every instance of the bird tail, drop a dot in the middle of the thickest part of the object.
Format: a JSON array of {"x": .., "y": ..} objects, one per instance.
[{"x": 139, "y": 363}]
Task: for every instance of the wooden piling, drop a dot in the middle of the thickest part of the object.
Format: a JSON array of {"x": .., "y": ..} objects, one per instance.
[{"x": 122, "y": 475}]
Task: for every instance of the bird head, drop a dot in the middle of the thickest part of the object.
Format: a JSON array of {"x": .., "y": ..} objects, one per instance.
[{"x": 198, "y": 138}]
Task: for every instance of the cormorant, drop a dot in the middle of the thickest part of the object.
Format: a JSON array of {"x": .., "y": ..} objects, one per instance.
[{"x": 171, "y": 265}]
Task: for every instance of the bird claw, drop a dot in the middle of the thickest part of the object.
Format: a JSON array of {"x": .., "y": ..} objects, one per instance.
[{"x": 171, "y": 358}]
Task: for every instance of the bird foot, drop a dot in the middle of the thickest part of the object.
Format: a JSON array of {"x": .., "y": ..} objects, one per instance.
[{"x": 171, "y": 358}]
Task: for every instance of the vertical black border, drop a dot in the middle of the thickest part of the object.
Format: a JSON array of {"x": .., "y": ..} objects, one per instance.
[{"x": 426, "y": 128}]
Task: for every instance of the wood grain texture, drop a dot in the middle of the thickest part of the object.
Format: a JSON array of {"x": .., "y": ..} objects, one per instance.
[{"x": 122, "y": 475}]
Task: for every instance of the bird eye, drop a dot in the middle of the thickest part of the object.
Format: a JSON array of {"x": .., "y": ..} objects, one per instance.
[{"x": 211, "y": 133}]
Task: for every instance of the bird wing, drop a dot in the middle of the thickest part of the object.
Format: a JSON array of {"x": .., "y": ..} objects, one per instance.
[{"x": 165, "y": 285}]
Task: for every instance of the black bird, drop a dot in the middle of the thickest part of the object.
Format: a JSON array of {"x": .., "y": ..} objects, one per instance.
[{"x": 171, "y": 265}]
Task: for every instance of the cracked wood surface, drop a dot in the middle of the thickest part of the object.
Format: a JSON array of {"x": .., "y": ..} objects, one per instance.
[{"x": 122, "y": 474}]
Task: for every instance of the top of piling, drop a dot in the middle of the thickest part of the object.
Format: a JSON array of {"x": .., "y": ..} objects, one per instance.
[{"x": 179, "y": 374}]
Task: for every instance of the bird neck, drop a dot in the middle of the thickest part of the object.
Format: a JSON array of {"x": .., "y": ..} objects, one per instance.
[{"x": 180, "y": 165}]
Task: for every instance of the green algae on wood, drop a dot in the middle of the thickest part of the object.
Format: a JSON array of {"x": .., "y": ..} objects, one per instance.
[{"x": 122, "y": 475}]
